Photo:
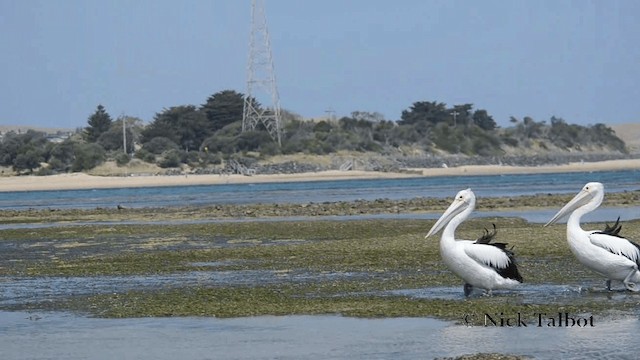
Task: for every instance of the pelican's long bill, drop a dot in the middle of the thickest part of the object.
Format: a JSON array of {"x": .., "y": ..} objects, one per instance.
[
  {"x": 457, "y": 206},
  {"x": 582, "y": 198}
]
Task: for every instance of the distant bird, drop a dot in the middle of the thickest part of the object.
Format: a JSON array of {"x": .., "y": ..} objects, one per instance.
[
  {"x": 604, "y": 251},
  {"x": 479, "y": 263}
]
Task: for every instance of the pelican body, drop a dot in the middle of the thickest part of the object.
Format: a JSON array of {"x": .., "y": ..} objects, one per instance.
[
  {"x": 604, "y": 252},
  {"x": 479, "y": 263}
]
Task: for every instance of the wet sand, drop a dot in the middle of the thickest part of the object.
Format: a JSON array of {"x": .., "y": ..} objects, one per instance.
[{"x": 84, "y": 181}]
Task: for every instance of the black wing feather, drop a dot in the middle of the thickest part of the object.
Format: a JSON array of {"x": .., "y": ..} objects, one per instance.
[
  {"x": 615, "y": 231},
  {"x": 509, "y": 272},
  {"x": 487, "y": 236},
  {"x": 612, "y": 230}
]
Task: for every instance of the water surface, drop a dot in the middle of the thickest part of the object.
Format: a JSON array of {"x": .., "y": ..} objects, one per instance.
[
  {"x": 48, "y": 335},
  {"x": 321, "y": 191}
]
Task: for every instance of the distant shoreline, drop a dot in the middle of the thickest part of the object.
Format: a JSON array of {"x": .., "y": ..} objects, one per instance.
[{"x": 78, "y": 181}]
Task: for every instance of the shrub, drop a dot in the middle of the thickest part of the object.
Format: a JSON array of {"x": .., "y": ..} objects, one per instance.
[
  {"x": 122, "y": 159},
  {"x": 159, "y": 145},
  {"x": 145, "y": 156},
  {"x": 87, "y": 156},
  {"x": 170, "y": 158}
]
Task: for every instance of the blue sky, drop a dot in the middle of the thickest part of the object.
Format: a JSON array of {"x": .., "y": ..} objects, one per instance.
[{"x": 574, "y": 59}]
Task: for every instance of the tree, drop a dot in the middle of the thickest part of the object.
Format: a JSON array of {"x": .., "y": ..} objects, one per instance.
[
  {"x": 24, "y": 151},
  {"x": 224, "y": 108},
  {"x": 62, "y": 156},
  {"x": 9, "y": 148},
  {"x": 28, "y": 160},
  {"x": 184, "y": 125},
  {"x": 159, "y": 128},
  {"x": 112, "y": 139},
  {"x": 87, "y": 156},
  {"x": 483, "y": 120},
  {"x": 461, "y": 114},
  {"x": 158, "y": 145},
  {"x": 382, "y": 131},
  {"x": 322, "y": 127},
  {"x": 431, "y": 112},
  {"x": 99, "y": 123}
]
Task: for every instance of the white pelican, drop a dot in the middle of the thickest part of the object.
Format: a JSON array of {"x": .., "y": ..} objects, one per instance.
[
  {"x": 479, "y": 263},
  {"x": 604, "y": 252}
]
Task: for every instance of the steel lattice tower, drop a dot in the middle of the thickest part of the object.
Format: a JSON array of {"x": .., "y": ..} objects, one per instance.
[{"x": 261, "y": 78}]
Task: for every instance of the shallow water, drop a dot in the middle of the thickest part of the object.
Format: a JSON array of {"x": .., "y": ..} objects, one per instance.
[
  {"x": 320, "y": 191},
  {"x": 47, "y": 335},
  {"x": 585, "y": 292},
  {"x": 15, "y": 292},
  {"x": 24, "y": 290},
  {"x": 58, "y": 335}
]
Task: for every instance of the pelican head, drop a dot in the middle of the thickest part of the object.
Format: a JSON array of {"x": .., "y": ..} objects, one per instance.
[
  {"x": 465, "y": 199},
  {"x": 590, "y": 197}
]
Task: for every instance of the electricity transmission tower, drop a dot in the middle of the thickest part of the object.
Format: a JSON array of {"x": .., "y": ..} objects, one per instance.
[{"x": 261, "y": 78}]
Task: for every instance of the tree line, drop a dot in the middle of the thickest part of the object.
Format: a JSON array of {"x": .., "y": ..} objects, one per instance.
[{"x": 207, "y": 134}]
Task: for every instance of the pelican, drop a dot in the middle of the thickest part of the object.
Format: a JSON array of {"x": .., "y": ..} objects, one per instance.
[
  {"x": 605, "y": 252},
  {"x": 479, "y": 263}
]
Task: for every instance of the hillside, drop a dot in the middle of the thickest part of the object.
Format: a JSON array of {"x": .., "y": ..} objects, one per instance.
[
  {"x": 188, "y": 146},
  {"x": 630, "y": 134}
]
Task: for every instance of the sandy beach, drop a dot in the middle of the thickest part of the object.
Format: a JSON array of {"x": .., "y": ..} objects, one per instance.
[{"x": 84, "y": 181}]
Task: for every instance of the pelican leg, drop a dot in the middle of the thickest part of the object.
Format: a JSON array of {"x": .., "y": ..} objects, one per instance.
[
  {"x": 608, "y": 284},
  {"x": 468, "y": 288},
  {"x": 631, "y": 286}
]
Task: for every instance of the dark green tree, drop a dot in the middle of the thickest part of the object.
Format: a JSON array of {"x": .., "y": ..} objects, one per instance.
[
  {"x": 62, "y": 156},
  {"x": 382, "y": 132},
  {"x": 425, "y": 111},
  {"x": 461, "y": 114},
  {"x": 184, "y": 125},
  {"x": 99, "y": 123},
  {"x": 483, "y": 120},
  {"x": 24, "y": 151},
  {"x": 27, "y": 160},
  {"x": 112, "y": 139},
  {"x": 224, "y": 108},
  {"x": 87, "y": 156},
  {"x": 158, "y": 145},
  {"x": 223, "y": 141},
  {"x": 9, "y": 148}
]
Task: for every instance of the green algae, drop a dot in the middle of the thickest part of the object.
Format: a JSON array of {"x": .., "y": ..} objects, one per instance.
[{"x": 387, "y": 254}]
